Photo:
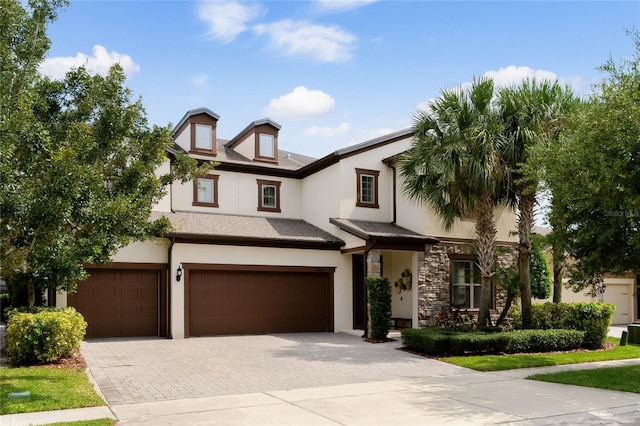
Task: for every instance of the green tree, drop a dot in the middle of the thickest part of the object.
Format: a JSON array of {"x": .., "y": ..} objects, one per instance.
[
  {"x": 23, "y": 44},
  {"x": 80, "y": 164},
  {"x": 539, "y": 269},
  {"x": 455, "y": 167},
  {"x": 594, "y": 175},
  {"x": 533, "y": 113}
]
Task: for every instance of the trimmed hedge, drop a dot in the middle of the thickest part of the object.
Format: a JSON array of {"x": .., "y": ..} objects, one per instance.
[
  {"x": 379, "y": 289},
  {"x": 592, "y": 318},
  {"x": 438, "y": 341},
  {"x": 46, "y": 335}
]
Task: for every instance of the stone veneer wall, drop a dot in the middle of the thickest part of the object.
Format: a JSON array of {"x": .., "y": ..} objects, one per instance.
[{"x": 434, "y": 278}]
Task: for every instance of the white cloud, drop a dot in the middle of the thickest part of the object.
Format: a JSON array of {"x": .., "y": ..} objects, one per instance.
[
  {"x": 327, "y": 132},
  {"x": 227, "y": 20},
  {"x": 299, "y": 104},
  {"x": 99, "y": 63},
  {"x": 301, "y": 38},
  {"x": 513, "y": 75},
  {"x": 338, "y": 6},
  {"x": 199, "y": 80}
]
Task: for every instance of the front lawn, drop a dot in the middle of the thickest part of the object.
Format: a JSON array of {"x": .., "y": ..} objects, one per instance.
[
  {"x": 625, "y": 379},
  {"x": 510, "y": 362},
  {"x": 97, "y": 422},
  {"x": 51, "y": 389}
]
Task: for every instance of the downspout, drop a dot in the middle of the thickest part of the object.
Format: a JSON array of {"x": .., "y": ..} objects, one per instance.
[{"x": 395, "y": 207}]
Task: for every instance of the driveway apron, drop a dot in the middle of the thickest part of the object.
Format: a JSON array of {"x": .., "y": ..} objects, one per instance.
[{"x": 139, "y": 370}]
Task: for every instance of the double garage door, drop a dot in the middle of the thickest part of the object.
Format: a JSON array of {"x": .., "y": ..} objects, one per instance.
[
  {"x": 246, "y": 300},
  {"x": 131, "y": 301},
  {"x": 121, "y": 302}
]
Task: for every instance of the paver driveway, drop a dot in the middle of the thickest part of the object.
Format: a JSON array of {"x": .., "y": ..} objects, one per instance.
[{"x": 142, "y": 370}]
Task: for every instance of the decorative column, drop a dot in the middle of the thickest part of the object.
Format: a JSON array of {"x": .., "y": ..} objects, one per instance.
[{"x": 374, "y": 268}]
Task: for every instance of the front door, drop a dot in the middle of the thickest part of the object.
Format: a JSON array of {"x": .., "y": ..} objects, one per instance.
[{"x": 359, "y": 312}]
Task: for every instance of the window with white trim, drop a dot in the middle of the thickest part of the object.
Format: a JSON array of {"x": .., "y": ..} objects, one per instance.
[
  {"x": 367, "y": 191},
  {"x": 466, "y": 282},
  {"x": 268, "y": 196}
]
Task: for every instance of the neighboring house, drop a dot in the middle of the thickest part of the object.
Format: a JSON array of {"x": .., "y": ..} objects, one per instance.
[
  {"x": 621, "y": 291},
  {"x": 271, "y": 241}
]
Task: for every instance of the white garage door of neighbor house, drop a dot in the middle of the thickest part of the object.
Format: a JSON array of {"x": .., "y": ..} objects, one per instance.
[{"x": 619, "y": 295}]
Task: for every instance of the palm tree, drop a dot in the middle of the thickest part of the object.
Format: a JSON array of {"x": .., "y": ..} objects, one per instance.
[
  {"x": 532, "y": 113},
  {"x": 455, "y": 167}
]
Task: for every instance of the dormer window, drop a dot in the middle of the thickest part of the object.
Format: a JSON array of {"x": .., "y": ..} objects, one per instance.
[
  {"x": 266, "y": 145},
  {"x": 204, "y": 138},
  {"x": 196, "y": 132}
]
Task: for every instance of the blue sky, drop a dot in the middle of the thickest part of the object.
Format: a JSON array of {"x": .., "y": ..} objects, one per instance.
[{"x": 331, "y": 73}]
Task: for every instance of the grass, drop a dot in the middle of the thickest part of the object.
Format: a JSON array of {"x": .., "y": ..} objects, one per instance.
[
  {"x": 510, "y": 362},
  {"x": 97, "y": 422},
  {"x": 51, "y": 389},
  {"x": 625, "y": 379}
]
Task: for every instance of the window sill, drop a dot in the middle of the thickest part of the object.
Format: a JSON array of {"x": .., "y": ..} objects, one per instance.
[
  {"x": 197, "y": 151},
  {"x": 201, "y": 204},
  {"x": 368, "y": 205}
]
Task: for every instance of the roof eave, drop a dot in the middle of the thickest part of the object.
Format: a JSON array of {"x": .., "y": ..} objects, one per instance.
[{"x": 180, "y": 237}]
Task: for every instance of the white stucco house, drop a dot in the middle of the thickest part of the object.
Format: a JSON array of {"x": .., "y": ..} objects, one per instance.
[{"x": 272, "y": 241}]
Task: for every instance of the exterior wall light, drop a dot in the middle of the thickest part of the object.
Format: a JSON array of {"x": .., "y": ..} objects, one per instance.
[{"x": 179, "y": 273}]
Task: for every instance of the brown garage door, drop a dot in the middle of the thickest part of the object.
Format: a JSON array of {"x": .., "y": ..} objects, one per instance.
[
  {"x": 258, "y": 302},
  {"x": 119, "y": 302}
]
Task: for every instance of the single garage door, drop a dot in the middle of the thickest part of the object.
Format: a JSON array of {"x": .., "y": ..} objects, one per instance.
[
  {"x": 619, "y": 295},
  {"x": 258, "y": 302},
  {"x": 119, "y": 302}
]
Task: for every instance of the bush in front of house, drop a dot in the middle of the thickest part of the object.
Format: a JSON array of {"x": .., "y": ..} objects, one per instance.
[
  {"x": 379, "y": 289},
  {"x": 437, "y": 341},
  {"x": 592, "y": 318},
  {"x": 43, "y": 335}
]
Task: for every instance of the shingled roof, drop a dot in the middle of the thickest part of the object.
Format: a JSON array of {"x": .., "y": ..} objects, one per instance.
[
  {"x": 384, "y": 234},
  {"x": 247, "y": 230}
]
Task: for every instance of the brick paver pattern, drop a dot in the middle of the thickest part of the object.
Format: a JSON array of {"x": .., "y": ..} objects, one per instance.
[{"x": 142, "y": 370}]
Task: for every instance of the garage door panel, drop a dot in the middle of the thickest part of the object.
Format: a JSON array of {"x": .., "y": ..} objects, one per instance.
[
  {"x": 252, "y": 302},
  {"x": 119, "y": 303}
]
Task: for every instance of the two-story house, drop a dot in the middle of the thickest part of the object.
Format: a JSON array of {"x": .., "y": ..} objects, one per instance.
[{"x": 271, "y": 241}]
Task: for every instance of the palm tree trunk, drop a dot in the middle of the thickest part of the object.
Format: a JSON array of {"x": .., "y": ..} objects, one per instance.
[
  {"x": 486, "y": 240},
  {"x": 525, "y": 224},
  {"x": 507, "y": 306}
]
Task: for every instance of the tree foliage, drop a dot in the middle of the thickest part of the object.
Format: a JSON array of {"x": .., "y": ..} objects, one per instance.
[
  {"x": 455, "y": 167},
  {"x": 533, "y": 113},
  {"x": 594, "y": 175},
  {"x": 79, "y": 162},
  {"x": 539, "y": 270}
]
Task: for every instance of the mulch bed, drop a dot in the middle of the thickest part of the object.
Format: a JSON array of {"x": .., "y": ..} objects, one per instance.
[
  {"x": 379, "y": 340},
  {"x": 607, "y": 345},
  {"x": 76, "y": 360}
]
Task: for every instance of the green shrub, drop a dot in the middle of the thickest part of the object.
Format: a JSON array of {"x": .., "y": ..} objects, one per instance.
[
  {"x": 592, "y": 318},
  {"x": 526, "y": 341},
  {"x": 43, "y": 336},
  {"x": 426, "y": 340},
  {"x": 379, "y": 289},
  {"x": 438, "y": 341}
]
